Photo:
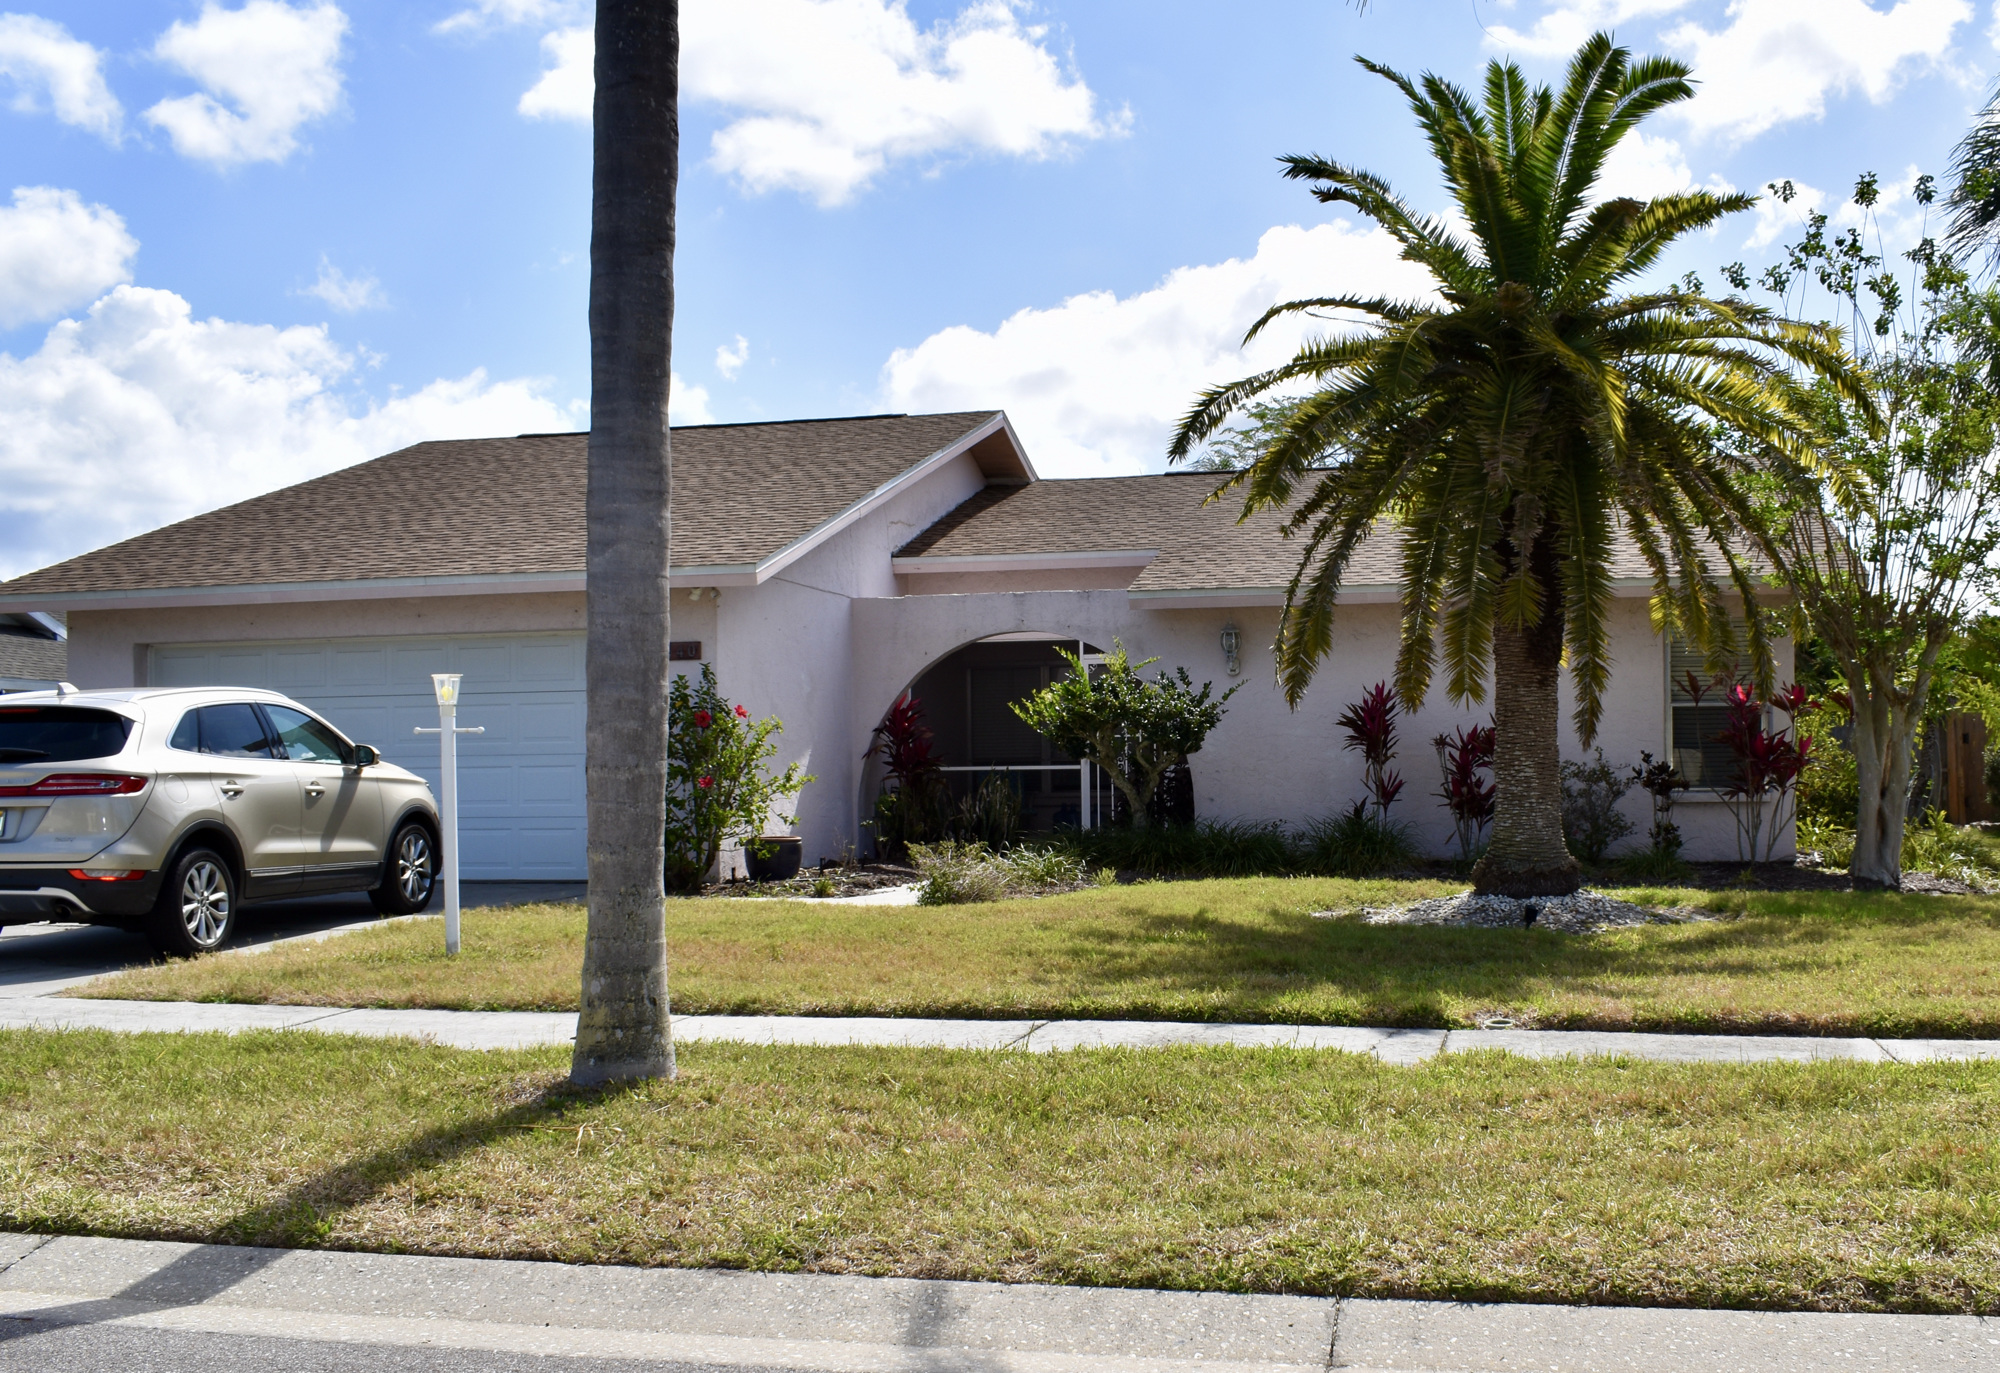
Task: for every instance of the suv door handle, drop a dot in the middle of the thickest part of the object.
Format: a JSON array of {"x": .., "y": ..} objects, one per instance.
[
  {"x": 232, "y": 788},
  {"x": 315, "y": 790}
]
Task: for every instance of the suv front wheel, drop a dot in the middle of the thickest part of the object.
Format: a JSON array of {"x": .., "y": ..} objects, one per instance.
[
  {"x": 196, "y": 912},
  {"x": 410, "y": 872}
]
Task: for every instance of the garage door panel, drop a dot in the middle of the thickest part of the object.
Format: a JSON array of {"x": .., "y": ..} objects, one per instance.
[
  {"x": 521, "y": 786},
  {"x": 360, "y": 667},
  {"x": 293, "y": 671}
]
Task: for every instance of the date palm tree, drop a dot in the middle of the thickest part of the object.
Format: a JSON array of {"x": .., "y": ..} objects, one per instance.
[
  {"x": 624, "y": 1031},
  {"x": 1514, "y": 427}
]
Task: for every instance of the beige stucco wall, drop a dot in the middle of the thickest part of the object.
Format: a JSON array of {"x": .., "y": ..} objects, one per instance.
[
  {"x": 964, "y": 583},
  {"x": 1267, "y": 760}
]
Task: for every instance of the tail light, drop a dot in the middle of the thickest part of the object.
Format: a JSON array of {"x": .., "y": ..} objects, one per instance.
[
  {"x": 80, "y": 784},
  {"x": 107, "y": 874}
]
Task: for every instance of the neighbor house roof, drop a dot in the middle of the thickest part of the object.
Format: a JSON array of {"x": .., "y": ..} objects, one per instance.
[
  {"x": 31, "y": 651},
  {"x": 471, "y": 510},
  {"x": 1191, "y": 549}
]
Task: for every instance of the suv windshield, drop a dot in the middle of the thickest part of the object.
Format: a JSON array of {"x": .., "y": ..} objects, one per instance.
[{"x": 60, "y": 734}]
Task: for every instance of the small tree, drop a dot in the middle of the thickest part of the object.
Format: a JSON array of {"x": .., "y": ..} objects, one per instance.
[
  {"x": 1888, "y": 576},
  {"x": 1662, "y": 781},
  {"x": 1133, "y": 728},
  {"x": 717, "y": 785}
]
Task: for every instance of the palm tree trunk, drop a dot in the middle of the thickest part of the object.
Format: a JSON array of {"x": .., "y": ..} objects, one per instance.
[
  {"x": 624, "y": 1030},
  {"x": 1527, "y": 855}
]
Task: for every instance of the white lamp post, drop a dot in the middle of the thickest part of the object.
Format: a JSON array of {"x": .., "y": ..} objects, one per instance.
[{"x": 448, "y": 732}]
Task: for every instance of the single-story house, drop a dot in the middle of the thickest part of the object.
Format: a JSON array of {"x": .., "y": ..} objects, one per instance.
[{"x": 824, "y": 567}]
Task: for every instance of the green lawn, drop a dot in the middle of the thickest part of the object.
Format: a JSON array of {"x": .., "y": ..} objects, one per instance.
[
  {"x": 1828, "y": 1187},
  {"x": 1242, "y": 949}
]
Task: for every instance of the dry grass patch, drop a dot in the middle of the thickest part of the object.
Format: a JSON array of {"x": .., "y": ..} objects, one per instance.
[
  {"x": 1822, "y": 1187},
  {"x": 1240, "y": 949}
]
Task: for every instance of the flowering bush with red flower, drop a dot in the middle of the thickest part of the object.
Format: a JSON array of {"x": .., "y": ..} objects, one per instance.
[{"x": 718, "y": 785}]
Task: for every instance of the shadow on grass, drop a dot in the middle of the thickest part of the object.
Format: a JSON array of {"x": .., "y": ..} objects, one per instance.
[{"x": 1260, "y": 967}]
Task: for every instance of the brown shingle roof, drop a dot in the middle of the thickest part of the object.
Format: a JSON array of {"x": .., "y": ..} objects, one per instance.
[
  {"x": 1200, "y": 546},
  {"x": 33, "y": 657},
  {"x": 486, "y": 507}
]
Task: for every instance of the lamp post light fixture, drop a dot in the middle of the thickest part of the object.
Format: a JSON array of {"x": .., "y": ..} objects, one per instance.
[
  {"x": 446, "y": 686},
  {"x": 1230, "y": 645}
]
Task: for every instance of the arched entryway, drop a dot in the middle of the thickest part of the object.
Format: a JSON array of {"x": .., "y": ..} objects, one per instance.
[{"x": 966, "y": 699}]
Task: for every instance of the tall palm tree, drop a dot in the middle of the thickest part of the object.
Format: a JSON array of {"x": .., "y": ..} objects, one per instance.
[
  {"x": 1508, "y": 431},
  {"x": 624, "y": 1030}
]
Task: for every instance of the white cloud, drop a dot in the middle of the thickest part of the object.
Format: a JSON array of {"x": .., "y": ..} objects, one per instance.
[
  {"x": 1561, "y": 30},
  {"x": 687, "y": 404},
  {"x": 829, "y": 92},
  {"x": 139, "y": 414},
  {"x": 1768, "y": 62},
  {"x": 1096, "y": 385},
  {"x": 1777, "y": 60},
  {"x": 1643, "y": 166},
  {"x": 495, "y": 14},
  {"x": 274, "y": 67},
  {"x": 730, "y": 357},
  {"x": 47, "y": 66},
  {"x": 566, "y": 88},
  {"x": 345, "y": 293},
  {"x": 57, "y": 252},
  {"x": 1779, "y": 219}
]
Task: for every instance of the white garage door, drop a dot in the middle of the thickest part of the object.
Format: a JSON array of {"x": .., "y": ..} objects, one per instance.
[{"x": 520, "y": 783}]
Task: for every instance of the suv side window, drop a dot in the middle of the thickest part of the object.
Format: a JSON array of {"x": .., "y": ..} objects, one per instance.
[
  {"x": 233, "y": 731},
  {"x": 187, "y": 734},
  {"x": 304, "y": 739}
]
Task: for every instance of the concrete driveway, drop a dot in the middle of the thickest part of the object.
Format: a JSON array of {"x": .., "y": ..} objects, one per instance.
[{"x": 36, "y": 960}]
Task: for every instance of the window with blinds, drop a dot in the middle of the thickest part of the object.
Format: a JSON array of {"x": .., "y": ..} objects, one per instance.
[{"x": 1699, "y": 752}]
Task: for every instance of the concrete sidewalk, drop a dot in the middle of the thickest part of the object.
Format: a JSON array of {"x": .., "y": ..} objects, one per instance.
[
  {"x": 209, "y": 1298},
  {"x": 531, "y": 1029}
]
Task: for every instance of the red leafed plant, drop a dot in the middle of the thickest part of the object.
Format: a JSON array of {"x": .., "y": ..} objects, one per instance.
[
  {"x": 910, "y": 809},
  {"x": 904, "y": 742},
  {"x": 1370, "y": 724},
  {"x": 1768, "y": 764},
  {"x": 1465, "y": 757}
]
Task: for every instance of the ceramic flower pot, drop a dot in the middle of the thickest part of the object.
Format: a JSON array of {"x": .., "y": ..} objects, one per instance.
[{"x": 781, "y": 858}]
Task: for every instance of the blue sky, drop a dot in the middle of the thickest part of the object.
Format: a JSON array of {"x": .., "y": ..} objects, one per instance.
[{"x": 245, "y": 243}]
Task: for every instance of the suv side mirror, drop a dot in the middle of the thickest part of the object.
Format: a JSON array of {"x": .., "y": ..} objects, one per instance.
[{"x": 365, "y": 756}]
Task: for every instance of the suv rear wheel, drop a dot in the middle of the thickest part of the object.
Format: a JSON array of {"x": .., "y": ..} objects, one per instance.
[
  {"x": 196, "y": 912},
  {"x": 410, "y": 873}
]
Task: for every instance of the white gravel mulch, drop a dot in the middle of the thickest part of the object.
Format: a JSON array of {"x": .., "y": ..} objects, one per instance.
[{"x": 1584, "y": 912}]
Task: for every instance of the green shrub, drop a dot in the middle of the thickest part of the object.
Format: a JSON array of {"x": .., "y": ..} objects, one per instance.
[
  {"x": 1034, "y": 867},
  {"x": 1206, "y": 848},
  {"x": 1356, "y": 843},
  {"x": 1830, "y": 789},
  {"x": 718, "y": 785},
  {"x": 955, "y": 873},
  {"x": 1592, "y": 822},
  {"x": 1653, "y": 865},
  {"x": 1932, "y": 844}
]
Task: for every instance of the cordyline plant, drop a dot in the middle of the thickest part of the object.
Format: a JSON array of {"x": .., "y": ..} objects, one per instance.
[
  {"x": 1888, "y": 574},
  {"x": 911, "y": 808},
  {"x": 1132, "y": 727},
  {"x": 1763, "y": 790},
  {"x": 717, "y": 785},
  {"x": 1465, "y": 758},
  {"x": 1370, "y": 725},
  {"x": 1510, "y": 430}
]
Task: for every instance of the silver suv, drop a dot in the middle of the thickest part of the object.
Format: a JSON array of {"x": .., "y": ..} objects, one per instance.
[{"x": 166, "y": 812}]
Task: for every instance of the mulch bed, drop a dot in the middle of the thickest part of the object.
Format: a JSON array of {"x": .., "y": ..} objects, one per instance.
[{"x": 857, "y": 879}]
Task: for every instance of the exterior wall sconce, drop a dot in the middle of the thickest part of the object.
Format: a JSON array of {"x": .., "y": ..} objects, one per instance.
[{"x": 1231, "y": 644}]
